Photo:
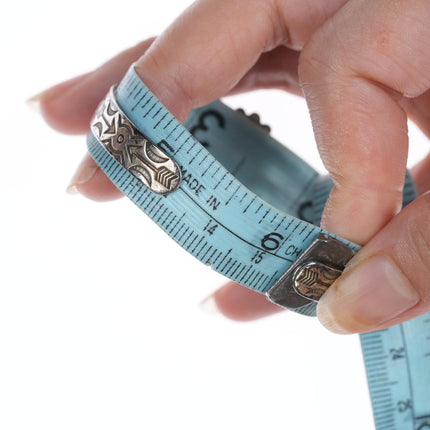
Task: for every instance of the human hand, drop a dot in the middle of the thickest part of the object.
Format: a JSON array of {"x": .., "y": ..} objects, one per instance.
[{"x": 363, "y": 68}]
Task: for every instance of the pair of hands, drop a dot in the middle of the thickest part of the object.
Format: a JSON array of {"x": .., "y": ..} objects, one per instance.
[{"x": 363, "y": 67}]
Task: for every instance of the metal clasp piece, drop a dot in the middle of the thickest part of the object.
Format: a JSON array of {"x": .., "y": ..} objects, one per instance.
[
  {"x": 312, "y": 273},
  {"x": 135, "y": 152}
]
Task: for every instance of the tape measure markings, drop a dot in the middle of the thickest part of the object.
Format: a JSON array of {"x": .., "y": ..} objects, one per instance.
[
  {"x": 398, "y": 375},
  {"x": 257, "y": 240},
  {"x": 272, "y": 243},
  {"x": 148, "y": 202}
]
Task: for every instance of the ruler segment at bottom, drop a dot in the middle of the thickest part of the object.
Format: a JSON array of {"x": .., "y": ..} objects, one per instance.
[{"x": 397, "y": 363}]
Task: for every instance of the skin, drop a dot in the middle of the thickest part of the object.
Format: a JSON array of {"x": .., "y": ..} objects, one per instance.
[{"x": 363, "y": 69}]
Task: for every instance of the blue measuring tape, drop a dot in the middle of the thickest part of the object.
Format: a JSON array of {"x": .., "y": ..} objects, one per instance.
[{"x": 245, "y": 205}]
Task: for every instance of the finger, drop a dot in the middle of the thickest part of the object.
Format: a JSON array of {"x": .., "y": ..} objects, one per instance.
[
  {"x": 387, "y": 281},
  {"x": 211, "y": 41},
  {"x": 201, "y": 57},
  {"x": 239, "y": 303},
  {"x": 90, "y": 181},
  {"x": 276, "y": 69},
  {"x": 36, "y": 101},
  {"x": 354, "y": 72},
  {"x": 69, "y": 108},
  {"x": 210, "y": 48},
  {"x": 182, "y": 85}
]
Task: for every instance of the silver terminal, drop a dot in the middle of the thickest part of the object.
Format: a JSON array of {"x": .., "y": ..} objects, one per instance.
[
  {"x": 135, "y": 152},
  {"x": 312, "y": 273}
]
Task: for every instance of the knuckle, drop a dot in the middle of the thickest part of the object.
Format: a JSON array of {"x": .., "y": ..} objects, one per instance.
[
  {"x": 319, "y": 61},
  {"x": 298, "y": 24},
  {"x": 292, "y": 26},
  {"x": 280, "y": 31},
  {"x": 309, "y": 58}
]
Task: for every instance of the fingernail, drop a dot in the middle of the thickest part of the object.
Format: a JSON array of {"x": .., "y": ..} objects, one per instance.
[
  {"x": 83, "y": 174},
  {"x": 34, "y": 102},
  {"x": 209, "y": 305},
  {"x": 367, "y": 295}
]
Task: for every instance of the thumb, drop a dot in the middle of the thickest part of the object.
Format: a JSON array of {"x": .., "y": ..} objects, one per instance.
[{"x": 386, "y": 283}]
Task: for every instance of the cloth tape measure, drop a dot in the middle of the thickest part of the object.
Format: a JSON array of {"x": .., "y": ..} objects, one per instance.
[{"x": 245, "y": 205}]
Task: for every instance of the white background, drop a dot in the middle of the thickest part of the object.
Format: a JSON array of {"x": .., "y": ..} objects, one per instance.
[{"x": 100, "y": 325}]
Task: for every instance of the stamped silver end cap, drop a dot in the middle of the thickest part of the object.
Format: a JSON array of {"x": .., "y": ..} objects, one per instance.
[{"x": 311, "y": 274}]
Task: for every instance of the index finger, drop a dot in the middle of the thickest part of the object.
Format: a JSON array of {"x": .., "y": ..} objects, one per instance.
[
  {"x": 205, "y": 53},
  {"x": 208, "y": 49}
]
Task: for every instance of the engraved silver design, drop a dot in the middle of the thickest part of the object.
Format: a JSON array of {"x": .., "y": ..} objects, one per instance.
[
  {"x": 309, "y": 277},
  {"x": 135, "y": 152},
  {"x": 313, "y": 279}
]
